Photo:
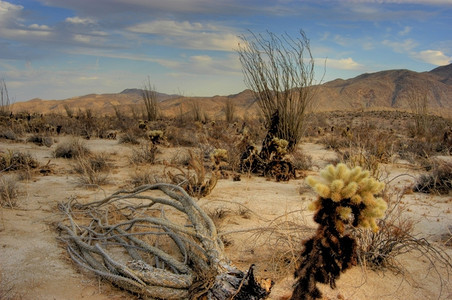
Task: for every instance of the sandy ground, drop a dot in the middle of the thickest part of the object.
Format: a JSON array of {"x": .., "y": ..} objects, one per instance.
[{"x": 34, "y": 265}]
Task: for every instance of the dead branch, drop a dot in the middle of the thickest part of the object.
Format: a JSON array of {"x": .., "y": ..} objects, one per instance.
[{"x": 154, "y": 245}]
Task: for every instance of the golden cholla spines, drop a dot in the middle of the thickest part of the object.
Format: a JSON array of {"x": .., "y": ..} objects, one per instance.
[{"x": 353, "y": 192}]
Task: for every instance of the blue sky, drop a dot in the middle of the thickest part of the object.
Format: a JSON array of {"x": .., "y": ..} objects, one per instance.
[{"x": 55, "y": 49}]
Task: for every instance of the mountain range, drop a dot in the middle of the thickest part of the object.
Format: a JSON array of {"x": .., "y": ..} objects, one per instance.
[{"x": 391, "y": 89}]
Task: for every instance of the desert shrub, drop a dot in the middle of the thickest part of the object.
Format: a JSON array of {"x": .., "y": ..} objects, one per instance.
[
  {"x": 13, "y": 160},
  {"x": 92, "y": 169},
  {"x": 334, "y": 142},
  {"x": 142, "y": 177},
  {"x": 355, "y": 157},
  {"x": 71, "y": 149},
  {"x": 195, "y": 180},
  {"x": 379, "y": 250},
  {"x": 229, "y": 111},
  {"x": 8, "y": 191},
  {"x": 128, "y": 137},
  {"x": 145, "y": 153},
  {"x": 7, "y": 134},
  {"x": 40, "y": 140},
  {"x": 438, "y": 181},
  {"x": 301, "y": 160},
  {"x": 181, "y": 137}
]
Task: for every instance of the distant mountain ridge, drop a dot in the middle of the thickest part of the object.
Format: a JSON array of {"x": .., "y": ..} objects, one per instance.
[{"x": 385, "y": 89}]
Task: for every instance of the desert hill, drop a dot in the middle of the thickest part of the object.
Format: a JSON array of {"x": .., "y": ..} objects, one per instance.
[{"x": 384, "y": 89}]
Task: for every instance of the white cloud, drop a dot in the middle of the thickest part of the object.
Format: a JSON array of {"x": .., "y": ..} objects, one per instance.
[
  {"x": 190, "y": 35},
  {"x": 405, "y": 30},
  {"x": 39, "y": 27},
  {"x": 82, "y": 21},
  {"x": 343, "y": 64},
  {"x": 11, "y": 24},
  {"x": 401, "y": 47},
  {"x": 433, "y": 57},
  {"x": 81, "y": 38},
  {"x": 7, "y": 8}
]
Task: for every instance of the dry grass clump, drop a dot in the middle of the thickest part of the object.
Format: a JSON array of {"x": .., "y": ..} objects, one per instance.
[
  {"x": 71, "y": 149},
  {"x": 92, "y": 169},
  {"x": 182, "y": 137},
  {"x": 439, "y": 180},
  {"x": 144, "y": 154},
  {"x": 378, "y": 250},
  {"x": 276, "y": 244},
  {"x": 13, "y": 160},
  {"x": 301, "y": 160},
  {"x": 195, "y": 180},
  {"x": 142, "y": 177},
  {"x": 8, "y": 191},
  {"x": 40, "y": 140},
  {"x": 128, "y": 137},
  {"x": 7, "y": 134}
]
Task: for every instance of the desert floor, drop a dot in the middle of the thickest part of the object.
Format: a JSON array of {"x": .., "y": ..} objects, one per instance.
[{"x": 34, "y": 264}]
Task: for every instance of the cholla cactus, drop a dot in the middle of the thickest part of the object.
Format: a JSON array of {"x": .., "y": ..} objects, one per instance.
[
  {"x": 156, "y": 136},
  {"x": 346, "y": 196},
  {"x": 353, "y": 191},
  {"x": 219, "y": 155},
  {"x": 281, "y": 145}
]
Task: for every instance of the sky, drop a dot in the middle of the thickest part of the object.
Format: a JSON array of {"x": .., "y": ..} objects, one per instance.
[{"x": 57, "y": 49}]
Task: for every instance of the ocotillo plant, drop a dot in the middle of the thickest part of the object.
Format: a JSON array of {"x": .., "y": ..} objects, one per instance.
[{"x": 346, "y": 197}]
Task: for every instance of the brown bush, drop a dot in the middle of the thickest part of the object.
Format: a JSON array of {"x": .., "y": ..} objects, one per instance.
[{"x": 71, "y": 149}]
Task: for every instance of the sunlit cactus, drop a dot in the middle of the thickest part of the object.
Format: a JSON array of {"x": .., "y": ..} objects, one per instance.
[
  {"x": 353, "y": 191},
  {"x": 345, "y": 197}
]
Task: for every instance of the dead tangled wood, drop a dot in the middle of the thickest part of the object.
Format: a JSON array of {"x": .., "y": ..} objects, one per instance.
[{"x": 154, "y": 241}]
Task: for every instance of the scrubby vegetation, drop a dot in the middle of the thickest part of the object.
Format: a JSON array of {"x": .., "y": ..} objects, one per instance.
[{"x": 197, "y": 151}]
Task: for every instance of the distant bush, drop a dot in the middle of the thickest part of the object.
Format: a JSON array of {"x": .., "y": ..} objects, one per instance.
[
  {"x": 92, "y": 169},
  {"x": 128, "y": 137},
  {"x": 7, "y": 134},
  {"x": 40, "y": 140},
  {"x": 145, "y": 153},
  {"x": 8, "y": 191},
  {"x": 13, "y": 160},
  {"x": 438, "y": 181},
  {"x": 71, "y": 149}
]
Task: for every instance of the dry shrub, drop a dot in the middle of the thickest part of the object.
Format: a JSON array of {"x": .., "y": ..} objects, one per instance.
[
  {"x": 181, "y": 137},
  {"x": 142, "y": 177},
  {"x": 301, "y": 160},
  {"x": 13, "y": 160},
  {"x": 128, "y": 137},
  {"x": 439, "y": 180},
  {"x": 8, "y": 191},
  {"x": 334, "y": 142},
  {"x": 277, "y": 244},
  {"x": 379, "y": 250},
  {"x": 195, "y": 179},
  {"x": 355, "y": 157},
  {"x": 92, "y": 169},
  {"x": 145, "y": 153},
  {"x": 40, "y": 140},
  {"x": 71, "y": 149},
  {"x": 218, "y": 214},
  {"x": 7, "y": 134}
]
